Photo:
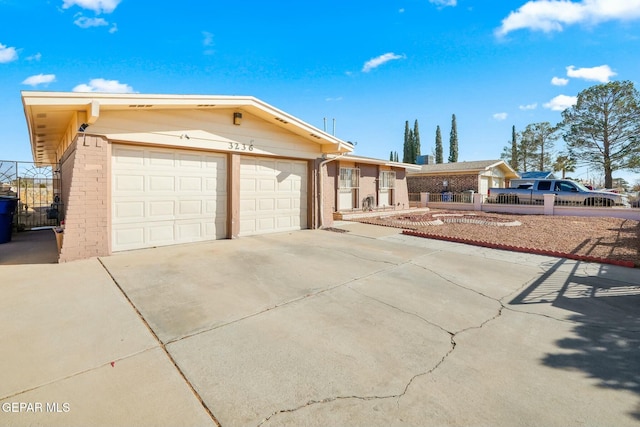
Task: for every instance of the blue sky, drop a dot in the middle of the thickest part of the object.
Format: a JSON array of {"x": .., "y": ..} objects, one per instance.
[{"x": 368, "y": 65}]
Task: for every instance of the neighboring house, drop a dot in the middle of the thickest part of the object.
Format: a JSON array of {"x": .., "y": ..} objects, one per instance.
[
  {"x": 140, "y": 171},
  {"x": 529, "y": 177},
  {"x": 479, "y": 176}
]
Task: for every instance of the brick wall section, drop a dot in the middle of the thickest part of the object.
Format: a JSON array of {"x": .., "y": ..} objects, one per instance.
[
  {"x": 66, "y": 173},
  {"x": 433, "y": 184},
  {"x": 86, "y": 231}
]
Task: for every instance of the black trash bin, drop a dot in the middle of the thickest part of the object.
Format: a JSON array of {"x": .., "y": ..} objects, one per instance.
[{"x": 7, "y": 209}]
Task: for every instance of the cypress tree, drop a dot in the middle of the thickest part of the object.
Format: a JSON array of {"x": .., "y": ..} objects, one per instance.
[
  {"x": 416, "y": 142},
  {"x": 406, "y": 155},
  {"x": 391, "y": 156},
  {"x": 438, "y": 145},
  {"x": 514, "y": 150},
  {"x": 453, "y": 141}
]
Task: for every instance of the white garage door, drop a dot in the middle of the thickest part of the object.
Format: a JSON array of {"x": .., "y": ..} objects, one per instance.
[
  {"x": 163, "y": 197},
  {"x": 273, "y": 195}
]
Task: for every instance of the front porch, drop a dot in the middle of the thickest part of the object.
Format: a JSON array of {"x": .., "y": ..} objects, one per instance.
[{"x": 375, "y": 212}]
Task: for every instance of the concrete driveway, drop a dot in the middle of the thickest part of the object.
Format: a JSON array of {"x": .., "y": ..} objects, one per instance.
[{"x": 318, "y": 328}]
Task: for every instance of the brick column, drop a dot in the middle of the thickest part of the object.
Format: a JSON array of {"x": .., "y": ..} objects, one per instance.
[{"x": 86, "y": 231}]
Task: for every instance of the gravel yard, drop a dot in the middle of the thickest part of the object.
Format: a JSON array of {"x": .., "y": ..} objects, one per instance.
[{"x": 600, "y": 237}]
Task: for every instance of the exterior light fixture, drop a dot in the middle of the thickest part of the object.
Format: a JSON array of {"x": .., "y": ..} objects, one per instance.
[
  {"x": 83, "y": 127},
  {"x": 237, "y": 119}
]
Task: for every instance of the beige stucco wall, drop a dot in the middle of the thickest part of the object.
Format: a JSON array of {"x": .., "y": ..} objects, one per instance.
[
  {"x": 368, "y": 182},
  {"x": 206, "y": 129},
  {"x": 369, "y": 174},
  {"x": 401, "y": 192},
  {"x": 85, "y": 195}
]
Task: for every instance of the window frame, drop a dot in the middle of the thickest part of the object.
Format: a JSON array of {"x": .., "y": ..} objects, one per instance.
[
  {"x": 387, "y": 180},
  {"x": 348, "y": 178}
]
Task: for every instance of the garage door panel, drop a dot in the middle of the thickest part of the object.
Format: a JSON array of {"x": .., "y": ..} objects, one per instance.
[
  {"x": 161, "y": 233},
  {"x": 129, "y": 210},
  {"x": 267, "y": 185},
  {"x": 159, "y": 159},
  {"x": 272, "y": 195},
  {"x": 266, "y": 205},
  {"x": 186, "y": 231},
  {"x": 129, "y": 183},
  {"x": 132, "y": 236},
  {"x": 190, "y": 161},
  {"x": 164, "y": 196},
  {"x": 190, "y": 207},
  {"x": 162, "y": 183},
  {"x": 284, "y": 204},
  {"x": 127, "y": 157}
]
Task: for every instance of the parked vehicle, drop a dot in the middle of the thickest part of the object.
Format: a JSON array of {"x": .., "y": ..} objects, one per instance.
[{"x": 566, "y": 191}]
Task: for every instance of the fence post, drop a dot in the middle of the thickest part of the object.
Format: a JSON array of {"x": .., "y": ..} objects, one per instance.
[
  {"x": 477, "y": 201},
  {"x": 424, "y": 199},
  {"x": 549, "y": 202}
]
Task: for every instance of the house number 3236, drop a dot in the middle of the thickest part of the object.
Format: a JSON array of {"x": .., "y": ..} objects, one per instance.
[{"x": 241, "y": 147}]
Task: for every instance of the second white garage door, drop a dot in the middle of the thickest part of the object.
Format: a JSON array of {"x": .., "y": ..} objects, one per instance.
[
  {"x": 165, "y": 196},
  {"x": 273, "y": 195}
]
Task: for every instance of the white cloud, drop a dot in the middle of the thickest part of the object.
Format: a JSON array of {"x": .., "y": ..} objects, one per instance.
[
  {"x": 84, "y": 22},
  {"x": 333, "y": 99},
  {"x": 36, "y": 57},
  {"x": 401, "y": 10},
  {"x": 444, "y": 3},
  {"x": 561, "y": 102},
  {"x": 378, "y": 61},
  {"x": 208, "y": 38},
  {"x": 7, "y": 54},
  {"x": 102, "y": 85},
  {"x": 114, "y": 28},
  {"x": 207, "y": 42},
  {"x": 529, "y": 106},
  {"x": 98, "y": 6},
  {"x": 500, "y": 116},
  {"x": 559, "y": 81},
  {"x": 554, "y": 15},
  {"x": 39, "y": 79},
  {"x": 600, "y": 74}
]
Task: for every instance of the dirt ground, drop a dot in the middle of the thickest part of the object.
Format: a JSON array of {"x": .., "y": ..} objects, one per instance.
[{"x": 598, "y": 237}]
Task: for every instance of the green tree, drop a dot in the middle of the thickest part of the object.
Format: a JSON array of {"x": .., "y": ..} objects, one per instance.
[
  {"x": 453, "y": 141},
  {"x": 544, "y": 135},
  {"x": 395, "y": 157},
  {"x": 438, "y": 145},
  {"x": 416, "y": 142},
  {"x": 602, "y": 129},
  {"x": 514, "y": 149},
  {"x": 407, "y": 148},
  {"x": 391, "y": 156},
  {"x": 531, "y": 149},
  {"x": 564, "y": 164}
]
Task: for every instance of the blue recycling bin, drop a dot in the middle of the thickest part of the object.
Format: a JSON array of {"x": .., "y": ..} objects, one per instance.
[{"x": 7, "y": 209}]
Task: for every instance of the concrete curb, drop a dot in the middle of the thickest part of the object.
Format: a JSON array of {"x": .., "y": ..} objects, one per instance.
[{"x": 629, "y": 264}]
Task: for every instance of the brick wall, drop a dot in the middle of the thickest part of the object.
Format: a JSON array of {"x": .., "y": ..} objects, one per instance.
[
  {"x": 433, "y": 184},
  {"x": 85, "y": 194}
]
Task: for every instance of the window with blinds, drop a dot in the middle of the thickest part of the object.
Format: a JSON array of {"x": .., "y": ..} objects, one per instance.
[
  {"x": 387, "y": 180},
  {"x": 349, "y": 178}
]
